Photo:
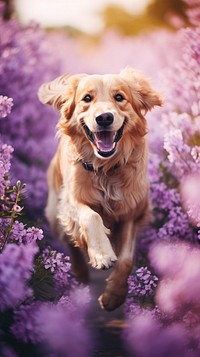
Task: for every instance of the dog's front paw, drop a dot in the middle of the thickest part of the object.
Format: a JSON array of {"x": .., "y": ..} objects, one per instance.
[
  {"x": 102, "y": 260},
  {"x": 113, "y": 297}
]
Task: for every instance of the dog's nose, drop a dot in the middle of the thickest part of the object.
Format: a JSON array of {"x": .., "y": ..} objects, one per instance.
[{"x": 105, "y": 119}]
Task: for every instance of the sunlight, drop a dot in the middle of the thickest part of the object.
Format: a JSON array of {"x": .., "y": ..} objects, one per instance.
[{"x": 83, "y": 15}]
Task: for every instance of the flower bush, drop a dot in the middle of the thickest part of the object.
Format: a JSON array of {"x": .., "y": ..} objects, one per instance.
[
  {"x": 39, "y": 297},
  {"x": 170, "y": 246}
]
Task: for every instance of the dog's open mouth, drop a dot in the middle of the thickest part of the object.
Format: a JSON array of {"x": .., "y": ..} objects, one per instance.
[{"x": 105, "y": 140}]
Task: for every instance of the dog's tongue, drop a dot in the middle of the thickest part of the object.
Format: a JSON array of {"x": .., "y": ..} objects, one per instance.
[{"x": 105, "y": 140}]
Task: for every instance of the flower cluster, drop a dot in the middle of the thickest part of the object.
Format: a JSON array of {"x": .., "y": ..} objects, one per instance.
[
  {"x": 22, "y": 50},
  {"x": 191, "y": 198},
  {"x": 172, "y": 238},
  {"x": 175, "y": 316},
  {"x": 147, "y": 337},
  {"x": 178, "y": 264},
  {"x": 31, "y": 278},
  {"x": 143, "y": 283},
  {"x": 29, "y": 281},
  {"x": 21, "y": 234},
  {"x": 5, "y": 157},
  {"x": 60, "y": 265},
  {"x": 16, "y": 265},
  {"x": 5, "y": 106},
  {"x": 65, "y": 321}
]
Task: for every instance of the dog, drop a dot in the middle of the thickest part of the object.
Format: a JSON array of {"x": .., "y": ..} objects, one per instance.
[{"x": 97, "y": 180}]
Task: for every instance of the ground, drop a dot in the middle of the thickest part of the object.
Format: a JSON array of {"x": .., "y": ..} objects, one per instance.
[{"x": 106, "y": 326}]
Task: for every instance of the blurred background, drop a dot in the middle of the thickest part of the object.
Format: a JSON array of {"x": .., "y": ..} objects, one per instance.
[
  {"x": 41, "y": 39},
  {"x": 93, "y": 18}
]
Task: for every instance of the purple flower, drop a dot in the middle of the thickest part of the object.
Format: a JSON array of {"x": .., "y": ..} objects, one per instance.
[
  {"x": 5, "y": 106},
  {"x": 66, "y": 332},
  {"x": 17, "y": 208},
  {"x": 191, "y": 197},
  {"x": 26, "y": 325},
  {"x": 143, "y": 283},
  {"x": 5, "y": 157},
  {"x": 60, "y": 326},
  {"x": 60, "y": 267},
  {"x": 18, "y": 232},
  {"x": 33, "y": 234},
  {"x": 16, "y": 266},
  {"x": 180, "y": 154},
  {"x": 147, "y": 337},
  {"x": 54, "y": 260},
  {"x": 178, "y": 265}
]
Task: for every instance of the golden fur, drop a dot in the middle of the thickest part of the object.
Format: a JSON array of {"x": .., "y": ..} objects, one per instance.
[{"x": 102, "y": 209}]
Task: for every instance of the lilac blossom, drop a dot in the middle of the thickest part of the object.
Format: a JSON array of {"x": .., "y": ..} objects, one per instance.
[
  {"x": 179, "y": 266},
  {"x": 59, "y": 265},
  {"x": 176, "y": 317},
  {"x": 179, "y": 153},
  {"x": 54, "y": 260},
  {"x": 147, "y": 337},
  {"x": 59, "y": 326},
  {"x": 5, "y": 106},
  {"x": 191, "y": 198},
  {"x": 66, "y": 333},
  {"x": 174, "y": 180},
  {"x": 33, "y": 234},
  {"x": 17, "y": 208},
  {"x": 21, "y": 49},
  {"x": 15, "y": 273},
  {"x": 181, "y": 79},
  {"x": 5, "y": 157},
  {"x": 4, "y": 223},
  {"x": 26, "y": 325},
  {"x": 170, "y": 220},
  {"x": 19, "y": 233},
  {"x": 142, "y": 283}
]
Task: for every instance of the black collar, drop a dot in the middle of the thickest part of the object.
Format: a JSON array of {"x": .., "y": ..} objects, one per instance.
[{"x": 89, "y": 167}]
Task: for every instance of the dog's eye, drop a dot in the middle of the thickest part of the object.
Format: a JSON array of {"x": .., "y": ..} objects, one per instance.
[
  {"x": 119, "y": 97},
  {"x": 88, "y": 98}
]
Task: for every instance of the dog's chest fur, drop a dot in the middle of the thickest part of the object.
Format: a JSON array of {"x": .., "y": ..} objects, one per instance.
[{"x": 116, "y": 193}]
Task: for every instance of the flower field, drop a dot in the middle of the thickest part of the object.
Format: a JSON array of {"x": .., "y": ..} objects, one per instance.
[{"x": 39, "y": 296}]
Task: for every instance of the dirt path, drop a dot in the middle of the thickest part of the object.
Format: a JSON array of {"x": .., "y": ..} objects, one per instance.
[{"x": 106, "y": 326}]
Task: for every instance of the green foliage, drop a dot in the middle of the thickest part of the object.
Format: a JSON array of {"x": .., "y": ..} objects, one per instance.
[{"x": 10, "y": 207}]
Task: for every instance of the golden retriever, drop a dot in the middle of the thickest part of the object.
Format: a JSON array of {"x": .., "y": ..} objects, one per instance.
[{"x": 98, "y": 183}]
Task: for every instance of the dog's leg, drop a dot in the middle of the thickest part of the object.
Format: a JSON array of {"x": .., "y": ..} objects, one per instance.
[
  {"x": 99, "y": 248},
  {"x": 117, "y": 286},
  {"x": 79, "y": 265},
  {"x": 81, "y": 222}
]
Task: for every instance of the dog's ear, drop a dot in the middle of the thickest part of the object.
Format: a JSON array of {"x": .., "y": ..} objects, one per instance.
[
  {"x": 143, "y": 95},
  {"x": 53, "y": 93},
  {"x": 59, "y": 91}
]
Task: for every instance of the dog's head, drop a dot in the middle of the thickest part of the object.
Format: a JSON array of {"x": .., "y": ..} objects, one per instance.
[{"x": 100, "y": 111}]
